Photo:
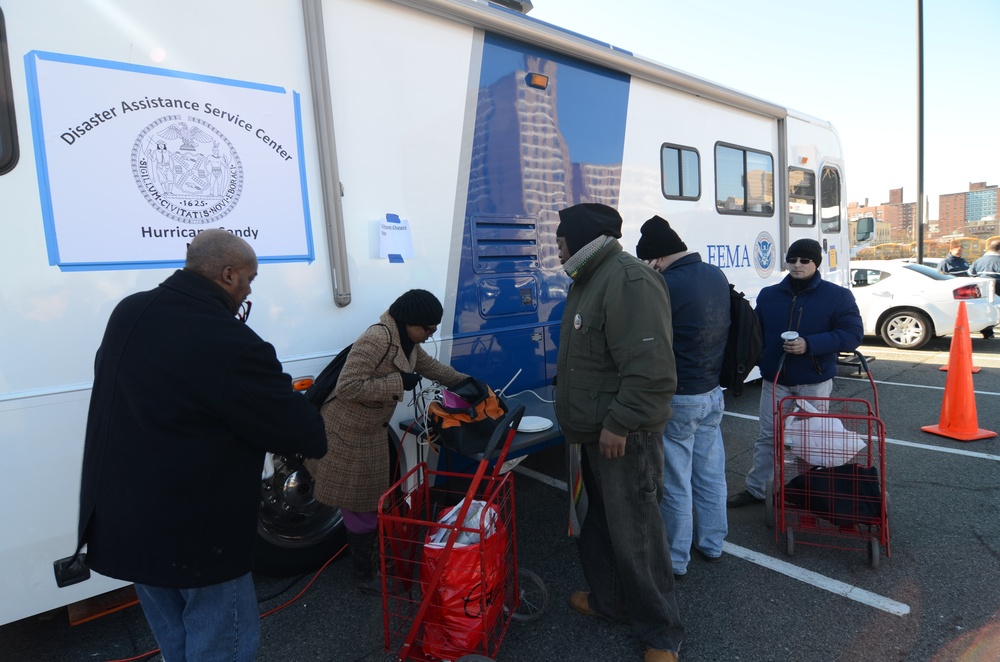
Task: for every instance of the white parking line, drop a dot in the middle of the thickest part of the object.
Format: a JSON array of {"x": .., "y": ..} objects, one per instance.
[
  {"x": 900, "y": 442},
  {"x": 819, "y": 581},
  {"x": 934, "y": 388}
]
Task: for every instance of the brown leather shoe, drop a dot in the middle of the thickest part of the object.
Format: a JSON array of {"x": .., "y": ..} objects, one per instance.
[
  {"x": 654, "y": 655},
  {"x": 580, "y": 601}
]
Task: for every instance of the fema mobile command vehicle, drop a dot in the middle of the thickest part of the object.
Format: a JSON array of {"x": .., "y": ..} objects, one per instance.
[{"x": 363, "y": 148}]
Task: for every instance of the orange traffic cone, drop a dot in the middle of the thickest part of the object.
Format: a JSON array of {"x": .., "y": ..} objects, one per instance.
[
  {"x": 961, "y": 309},
  {"x": 958, "y": 410}
]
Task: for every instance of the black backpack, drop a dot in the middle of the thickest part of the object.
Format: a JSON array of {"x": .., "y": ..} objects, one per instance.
[
  {"x": 324, "y": 384},
  {"x": 322, "y": 387},
  {"x": 743, "y": 345}
]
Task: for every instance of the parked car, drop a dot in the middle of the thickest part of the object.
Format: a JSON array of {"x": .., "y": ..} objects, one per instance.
[{"x": 908, "y": 304}]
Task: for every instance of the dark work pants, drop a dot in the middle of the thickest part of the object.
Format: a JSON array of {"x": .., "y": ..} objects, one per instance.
[{"x": 623, "y": 543}]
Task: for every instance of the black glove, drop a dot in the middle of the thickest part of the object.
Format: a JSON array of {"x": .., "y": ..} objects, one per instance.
[{"x": 410, "y": 380}]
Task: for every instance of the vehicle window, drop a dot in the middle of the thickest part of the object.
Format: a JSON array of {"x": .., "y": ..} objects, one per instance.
[
  {"x": 801, "y": 197},
  {"x": 8, "y": 129},
  {"x": 744, "y": 181},
  {"x": 680, "y": 169},
  {"x": 930, "y": 272},
  {"x": 864, "y": 277},
  {"x": 829, "y": 198}
]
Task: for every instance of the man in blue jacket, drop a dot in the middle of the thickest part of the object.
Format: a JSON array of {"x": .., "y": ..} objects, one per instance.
[
  {"x": 694, "y": 475},
  {"x": 827, "y": 321}
]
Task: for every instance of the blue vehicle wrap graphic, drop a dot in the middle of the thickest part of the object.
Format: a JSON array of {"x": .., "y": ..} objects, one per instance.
[{"x": 536, "y": 149}]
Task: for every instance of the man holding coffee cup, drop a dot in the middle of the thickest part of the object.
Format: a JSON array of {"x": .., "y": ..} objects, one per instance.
[{"x": 805, "y": 322}]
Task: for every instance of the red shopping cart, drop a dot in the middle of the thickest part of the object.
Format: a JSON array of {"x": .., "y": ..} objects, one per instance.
[
  {"x": 451, "y": 585},
  {"x": 829, "y": 473}
]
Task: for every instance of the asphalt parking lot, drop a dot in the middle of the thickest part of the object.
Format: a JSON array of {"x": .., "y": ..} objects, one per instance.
[{"x": 937, "y": 597}]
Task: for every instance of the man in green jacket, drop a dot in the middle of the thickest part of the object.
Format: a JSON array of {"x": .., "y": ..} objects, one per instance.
[{"x": 616, "y": 377}]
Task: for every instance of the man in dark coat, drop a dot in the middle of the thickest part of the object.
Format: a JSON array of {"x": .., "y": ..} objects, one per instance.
[
  {"x": 822, "y": 319},
  {"x": 616, "y": 377},
  {"x": 186, "y": 401}
]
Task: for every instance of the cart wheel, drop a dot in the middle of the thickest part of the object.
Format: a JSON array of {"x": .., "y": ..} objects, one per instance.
[
  {"x": 769, "y": 504},
  {"x": 789, "y": 542},
  {"x": 873, "y": 553},
  {"x": 474, "y": 657},
  {"x": 391, "y": 657},
  {"x": 534, "y": 597}
]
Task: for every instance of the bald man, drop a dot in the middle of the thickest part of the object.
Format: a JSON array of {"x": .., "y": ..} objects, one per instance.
[{"x": 186, "y": 401}]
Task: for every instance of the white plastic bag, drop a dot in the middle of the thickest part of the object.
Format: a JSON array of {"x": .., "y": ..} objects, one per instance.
[
  {"x": 821, "y": 441},
  {"x": 473, "y": 520}
]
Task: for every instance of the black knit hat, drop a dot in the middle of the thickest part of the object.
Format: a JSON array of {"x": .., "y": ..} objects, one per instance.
[
  {"x": 417, "y": 308},
  {"x": 583, "y": 223},
  {"x": 658, "y": 239},
  {"x": 809, "y": 248}
]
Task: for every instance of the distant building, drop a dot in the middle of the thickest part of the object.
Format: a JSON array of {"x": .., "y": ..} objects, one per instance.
[{"x": 972, "y": 213}]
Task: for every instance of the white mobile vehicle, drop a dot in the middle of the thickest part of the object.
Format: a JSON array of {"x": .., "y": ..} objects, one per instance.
[
  {"x": 908, "y": 304},
  {"x": 363, "y": 147}
]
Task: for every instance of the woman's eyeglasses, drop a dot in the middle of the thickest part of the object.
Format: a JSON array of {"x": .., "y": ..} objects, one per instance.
[
  {"x": 798, "y": 260},
  {"x": 243, "y": 314},
  {"x": 429, "y": 330}
]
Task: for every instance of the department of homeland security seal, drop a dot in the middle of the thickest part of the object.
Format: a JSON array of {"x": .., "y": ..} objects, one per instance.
[
  {"x": 187, "y": 169},
  {"x": 763, "y": 254}
]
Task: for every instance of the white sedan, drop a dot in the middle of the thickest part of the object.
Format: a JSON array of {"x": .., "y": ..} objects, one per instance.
[{"x": 908, "y": 304}]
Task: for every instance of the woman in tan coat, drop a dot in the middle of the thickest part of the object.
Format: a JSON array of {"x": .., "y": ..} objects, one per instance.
[{"x": 385, "y": 361}]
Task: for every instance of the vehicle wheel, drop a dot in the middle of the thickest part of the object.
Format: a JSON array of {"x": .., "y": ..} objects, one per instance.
[
  {"x": 534, "y": 597},
  {"x": 295, "y": 532},
  {"x": 769, "y": 504},
  {"x": 906, "y": 329},
  {"x": 789, "y": 542},
  {"x": 474, "y": 657},
  {"x": 873, "y": 553}
]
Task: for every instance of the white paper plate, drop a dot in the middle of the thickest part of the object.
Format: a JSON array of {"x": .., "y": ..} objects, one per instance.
[{"x": 534, "y": 424}]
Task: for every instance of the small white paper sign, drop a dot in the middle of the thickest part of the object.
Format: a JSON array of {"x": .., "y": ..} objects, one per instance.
[{"x": 395, "y": 238}]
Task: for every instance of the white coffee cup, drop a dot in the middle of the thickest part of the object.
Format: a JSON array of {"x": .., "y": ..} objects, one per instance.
[{"x": 789, "y": 336}]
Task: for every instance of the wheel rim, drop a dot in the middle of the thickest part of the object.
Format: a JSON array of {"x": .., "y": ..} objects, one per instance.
[
  {"x": 905, "y": 330},
  {"x": 289, "y": 516}
]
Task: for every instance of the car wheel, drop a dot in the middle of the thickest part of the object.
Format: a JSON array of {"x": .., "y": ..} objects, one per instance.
[
  {"x": 906, "y": 329},
  {"x": 295, "y": 532}
]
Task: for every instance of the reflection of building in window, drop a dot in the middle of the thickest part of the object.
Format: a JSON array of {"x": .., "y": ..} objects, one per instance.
[{"x": 760, "y": 191}]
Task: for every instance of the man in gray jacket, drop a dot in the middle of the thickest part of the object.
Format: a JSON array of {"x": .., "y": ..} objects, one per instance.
[{"x": 616, "y": 377}]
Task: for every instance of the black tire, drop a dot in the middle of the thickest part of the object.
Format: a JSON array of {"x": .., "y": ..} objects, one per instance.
[
  {"x": 474, "y": 657},
  {"x": 906, "y": 329},
  {"x": 789, "y": 542},
  {"x": 534, "y": 597},
  {"x": 873, "y": 553},
  {"x": 295, "y": 533}
]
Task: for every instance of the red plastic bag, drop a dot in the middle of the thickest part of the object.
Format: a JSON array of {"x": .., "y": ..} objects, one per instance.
[{"x": 470, "y": 593}]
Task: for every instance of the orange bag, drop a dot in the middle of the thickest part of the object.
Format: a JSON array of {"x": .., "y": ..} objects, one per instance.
[{"x": 467, "y": 430}]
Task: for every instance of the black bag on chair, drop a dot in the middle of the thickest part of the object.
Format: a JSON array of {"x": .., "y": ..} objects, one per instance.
[{"x": 467, "y": 427}]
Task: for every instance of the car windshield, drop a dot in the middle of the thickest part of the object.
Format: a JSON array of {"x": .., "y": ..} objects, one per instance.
[{"x": 928, "y": 271}]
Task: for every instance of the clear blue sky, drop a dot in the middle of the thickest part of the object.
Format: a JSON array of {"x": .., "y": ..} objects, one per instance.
[{"x": 852, "y": 62}]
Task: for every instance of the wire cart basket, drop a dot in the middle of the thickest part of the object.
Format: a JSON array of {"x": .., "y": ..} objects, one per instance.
[
  {"x": 829, "y": 474},
  {"x": 451, "y": 585}
]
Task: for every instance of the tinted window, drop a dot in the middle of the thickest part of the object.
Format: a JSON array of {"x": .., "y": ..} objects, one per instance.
[
  {"x": 830, "y": 200},
  {"x": 801, "y": 197},
  {"x": 744, "y": 181},
  {"x": 928, "y": 271},
  {"x": 8, "y": 129},
  {"x": 680, "y": 172}
]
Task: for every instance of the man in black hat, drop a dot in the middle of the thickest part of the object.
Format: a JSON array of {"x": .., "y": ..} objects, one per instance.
[
  {"x": 695, "y": 469},
  {"x": 616, "y": 378},
  {"x": 824, "y": 320}
]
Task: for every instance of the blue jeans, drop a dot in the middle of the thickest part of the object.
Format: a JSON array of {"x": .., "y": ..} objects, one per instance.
[
  {"x": 763, "y": 450},
  {"x": 623, "y": 545},
  {"x": 217, "y": 623},
  {"x": 694, "y": 477}
]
